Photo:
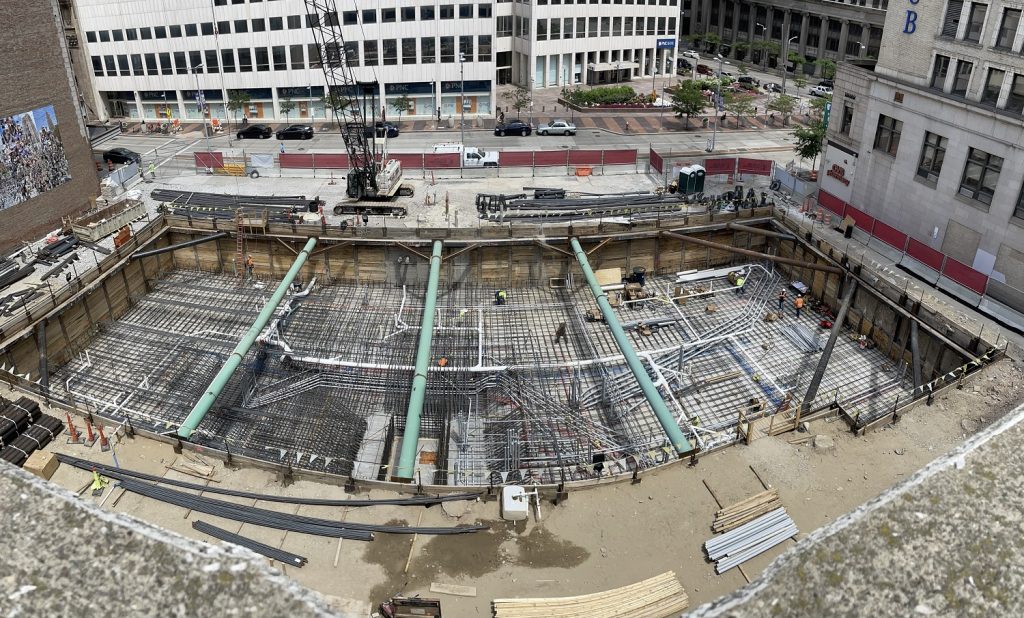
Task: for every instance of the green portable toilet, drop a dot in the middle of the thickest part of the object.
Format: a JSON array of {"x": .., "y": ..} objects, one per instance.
[
  {"x": 698, "y": 178},
  {"x": 686, "y": 180}
]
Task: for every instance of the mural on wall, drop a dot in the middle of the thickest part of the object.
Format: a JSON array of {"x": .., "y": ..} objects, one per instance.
[{"x": 32, "y": 157}]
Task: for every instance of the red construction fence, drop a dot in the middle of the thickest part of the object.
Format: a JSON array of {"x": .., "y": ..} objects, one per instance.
[
  {"x": 937, "y": 261},
  {"x": 718, "y": 165}
]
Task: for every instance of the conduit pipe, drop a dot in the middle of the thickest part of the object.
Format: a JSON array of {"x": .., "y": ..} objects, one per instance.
[
  {"x": 181, "y": 245},
  {"x": 411, "y": 437},
  {"x": 665, "y": 417},
  {"x": 235, "y": 359}
]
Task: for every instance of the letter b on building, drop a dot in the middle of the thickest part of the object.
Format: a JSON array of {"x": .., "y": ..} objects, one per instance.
[{"x": 910, "y": 26}]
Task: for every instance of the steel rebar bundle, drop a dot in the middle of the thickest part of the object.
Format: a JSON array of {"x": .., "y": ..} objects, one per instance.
[
  {"x": 802, "y": 337},
  {"x": 284, "y": 557}
]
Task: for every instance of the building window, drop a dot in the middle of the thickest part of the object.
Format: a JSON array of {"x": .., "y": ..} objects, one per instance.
[
  {"x": 994, "y": 83},
  {"x": 617, "y": 26},
  {"x": 1008, "y": 28},
  {"x": 1015, "y": 102},
  {"x": 294, "y": 22},
  {"x": 97, "y": 66},
  {"x": 190, "y": 30},
  {"x": 312, "y": 20},
  {"x": 123, "y": 66},
  {"x": 349, "y": 18},
  {"x": 313, "y": 53},
  {"x": 932, "y": 155},
  {"x": 581, "y": 27},
  {"x": 151, "y": 64},
  {"x": 280, "y": 58},
  {"x": 962, "y": 79},
  {"x": 227, "y": 60},
  {"x": 241, "y": 25},
  {"x": 180, "y": 64},
  {"x": 483, "y": 11},
  {"x": 387, "y": 16},
  {"x": 887, "y": 135},
  {"x": 175, "y": 31},
  {"x": 137, "y": 64},
  {"x": 104, "y": 36},
  {"x": 118, "y": 35},
  {"x": 408, "y": 13},
  {"x": 427, "y": 50},
  {"x": 390, "y": 51},
  {"x": 160, "y": 32},
  {"x": 542, "y": 29},
  {"x": 352, "y": 53},
  {"x": 555, "y": 31},
  {"x": 606, "y": 26},
  {"x": 466, "y": 48},
  {"x": 447, "y": 49},
  {"x": 259, "y": 25},
  {"x": 847, "y": 122},
  {"x": 370, "y": 53},
  {"x": 211, "y": 65},
  {"x": 145, "y": 33},
  {"x": 483, "y": 43},
  {"x": 980, "y": 176},
  {"x": 165, "y": 64},
  {"x": 939, "y": 72},
  {"x": 426, "y": 13},
  {"x": 206, "y": 28},
  {"x": 223, "y": 27},
  {"x": 465, "y": 11},
  {"x": 447, "y": 11},
  {"x": 91, "y": 37},
  {"x": 592, "y": 27},
  {"x": 369, "y": 16},
  {"x": 567, "y": 27},
  {"x": 276, "y": 23},
  {"x": 195, "y": 58},
  {"x": 408, "y": 51},
  {"x": 1018, "y": 210},
  {"x": 504, "y": 26},
  {"x": 244, "y": 60},
  {"x": 331, "y": 18},
  {"x": 951, "y": 22},
  {"x": 975, "y": 22},
  {"x": 298, "y": 60}
]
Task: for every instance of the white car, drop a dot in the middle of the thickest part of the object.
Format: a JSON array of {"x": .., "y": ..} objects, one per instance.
[
  {"x": 691, "y": 54},
  {"x": 821, "y": 91}
]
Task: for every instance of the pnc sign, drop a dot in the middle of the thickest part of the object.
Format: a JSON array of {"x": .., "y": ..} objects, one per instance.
[{"x": 910, "y": 23}]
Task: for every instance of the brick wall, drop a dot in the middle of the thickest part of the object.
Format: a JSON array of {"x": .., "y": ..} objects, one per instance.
[{"x": 35, "y": 74}]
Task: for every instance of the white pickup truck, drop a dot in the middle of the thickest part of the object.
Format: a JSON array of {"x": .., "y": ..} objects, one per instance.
[
  {"x": 471, "y": 155},
  {"x": 558, "y": 127}
]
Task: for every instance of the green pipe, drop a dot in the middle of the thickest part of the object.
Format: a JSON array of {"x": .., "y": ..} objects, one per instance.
[
  {"x": 411, "y": 437},
  {"x": 668, "y": 422},
  {"x": 221, "y": 379}
]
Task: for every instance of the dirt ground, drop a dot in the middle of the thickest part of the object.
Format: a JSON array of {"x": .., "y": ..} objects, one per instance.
[{"x": 597, "y": 539}]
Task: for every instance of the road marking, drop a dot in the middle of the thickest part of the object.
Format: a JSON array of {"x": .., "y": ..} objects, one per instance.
[{"x": 194, "y": 142}]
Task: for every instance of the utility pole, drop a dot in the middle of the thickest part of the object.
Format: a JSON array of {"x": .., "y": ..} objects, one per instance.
[
  {"x": 201, "y": 104},
  {"x": 718, "y": 99},
  {"x": 462, "y": 104},
  {"x": 785, "y": 60}
]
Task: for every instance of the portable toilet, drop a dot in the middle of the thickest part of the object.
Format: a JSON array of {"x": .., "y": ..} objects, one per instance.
[
  {"x": 698, "y": 178},
  {"x": 686, "y": 180}
]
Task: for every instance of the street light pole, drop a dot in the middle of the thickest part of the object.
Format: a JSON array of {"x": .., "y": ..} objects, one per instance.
[
  {"x": 462, "y": 104},
  {"x": 785, "y": 60},
  {"x": 764, "y": 50},
  {"x": 718, "y": 97},
  {"x": 201, "y": 104}
]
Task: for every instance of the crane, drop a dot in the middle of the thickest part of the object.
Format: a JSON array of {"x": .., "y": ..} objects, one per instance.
[{"x": 368, "y": 177}]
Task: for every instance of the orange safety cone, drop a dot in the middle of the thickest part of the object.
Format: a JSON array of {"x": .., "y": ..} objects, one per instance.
[
  {"x": 104, "y": 443},
  {"x": 90, "y": 437},
  {"x": 75, "y": 437}
]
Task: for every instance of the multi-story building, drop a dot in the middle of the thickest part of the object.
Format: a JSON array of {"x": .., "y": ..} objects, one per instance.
[
  {"x": 819, "y": 29},
  {"x": 149, "y": 60},
  {"x": 930, "y": 144}
]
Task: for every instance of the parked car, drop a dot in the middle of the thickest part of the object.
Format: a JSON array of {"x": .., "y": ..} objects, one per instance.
[
  {"x": 773, "y": 87},
  {"x": 122, "y": 156},
  {"x": 515, "y": 127},
  {"x": 725, "y": 74},
  {"x": 381, "y": 129},
  {"x": 471, "y": 156},
  {"x": 296, "y": 131},
  {"x": 255, "y": 131},
  {"x": 747, "y": 80},
  {"x": 558, "y": 127},
  {"x": 821, "y": 91},
  {"x": 704, "y": 69},
  {"x": 685, "y": 64},
  {"x": 691, "y": 54},
  {"x": 828, "y": 83}
]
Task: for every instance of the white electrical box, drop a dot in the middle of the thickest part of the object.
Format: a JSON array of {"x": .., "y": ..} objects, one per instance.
[{"x": 515, "y": 503}]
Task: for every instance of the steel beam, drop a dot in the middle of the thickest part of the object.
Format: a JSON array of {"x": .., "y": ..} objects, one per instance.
[
  {"x": 411, "y": 436},
  {"x": 837, "y": 325},
  {"x": 754, "y": 254},
  {"x": 206, "y": 402},
  {"x": 665, "y": 417},
  {"x": 182, "y": 245},
  {"x": 916, "y": 355},
  {"x": 732, "y": 225}
]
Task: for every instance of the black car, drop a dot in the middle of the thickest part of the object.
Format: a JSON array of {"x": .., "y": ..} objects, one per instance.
[
  {"x": 296, "y": 131},
  {"x": 772, "y": 87},
  {"x": 516, "y": 127},
  {"x": 381, "y": 129},
  {"x": 828, "y": 83},
  {"x": 684, "y": 64},
  {"x": 122, "y": 156},
  {"x": 256, "y": 131}
]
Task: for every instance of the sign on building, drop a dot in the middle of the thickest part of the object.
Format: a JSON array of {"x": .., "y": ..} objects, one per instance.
[{"x": 666, "y": 43}]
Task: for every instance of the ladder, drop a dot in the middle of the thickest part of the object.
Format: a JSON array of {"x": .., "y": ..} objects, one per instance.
[{"x": 239, "y": 246}]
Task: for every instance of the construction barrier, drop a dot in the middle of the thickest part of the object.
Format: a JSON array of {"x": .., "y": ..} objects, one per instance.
[{"x": 209, "y": 160}]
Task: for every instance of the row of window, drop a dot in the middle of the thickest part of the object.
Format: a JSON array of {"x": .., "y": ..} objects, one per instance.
[
  {"x": 974, "y": 30},
  {"x": 640, "y": 2},
  {"x": 991, "y": 90},
  {"x": 981, "y": 171},
  {"x": 555, "y": 29},
  {"x": 292, "y": 22},
  {"x": 284, "y": 57}
]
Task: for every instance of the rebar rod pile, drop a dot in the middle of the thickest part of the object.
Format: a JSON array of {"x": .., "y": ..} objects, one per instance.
[
  {"x": 15, "y": 416},
  {"x": 751, "y": 539},
  {"x": 802, "y": 337},
  {"x": 38, "y": 435},
  {"x": 223, "y": 200},
  {"x": 284, "y": 557}
]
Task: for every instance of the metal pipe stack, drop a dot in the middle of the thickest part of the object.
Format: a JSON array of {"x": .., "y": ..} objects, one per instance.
[{"x": 749, "y": 540}]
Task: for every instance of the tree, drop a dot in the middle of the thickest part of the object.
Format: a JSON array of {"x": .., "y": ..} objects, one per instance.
[
  {"x": 336, "y": 103},
  {"x": 809, "y": 140},
  {"x": 797, "y": 60},
  {"x": 828, "y": 67},
  {"x": 744, "y": 70},
  {"x": 741, "y": 47},
  {"x": 286, "y": 106},
  {"x": 688, "y": 100},
  {"x": 740, "y": 104},
  {"x": 693, "y": 39},
  {"x": 401, "y": 105},
  {"x": 800, "y": 80},
  {"x": 818, "y": 106},
  {"x": 783, "y": 104},
  {"x": 238, "y": 100},
  {"x": 518, "y": 99},
  {"x": 711, "y": 42}
]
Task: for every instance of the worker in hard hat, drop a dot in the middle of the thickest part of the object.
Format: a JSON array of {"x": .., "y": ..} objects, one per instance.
[
  {"x": 500, "y": 297},
  {"x": 740, "y": 279},
  {"x": 798, "y": 304},
  {"x": 250, "y": 264}
]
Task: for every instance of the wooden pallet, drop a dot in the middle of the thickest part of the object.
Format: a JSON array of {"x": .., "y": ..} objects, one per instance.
[
  {"x": 736, "y": 515},
  {"x": 657, "y": 597}
]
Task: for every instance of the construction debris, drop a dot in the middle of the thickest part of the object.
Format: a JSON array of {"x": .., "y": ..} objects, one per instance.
[
  {"x": 736, "y": 515},
  {"x": 749, "y": 540},
  {"x": 656, "y": 597}
]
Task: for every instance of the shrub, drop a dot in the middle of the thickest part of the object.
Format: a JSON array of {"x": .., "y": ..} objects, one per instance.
[{"x": 604, "y": 95}]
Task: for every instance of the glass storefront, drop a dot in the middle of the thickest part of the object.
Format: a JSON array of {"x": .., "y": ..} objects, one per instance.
[
  {"x": 419, "y": 97},
  {"x": 477, "y": 98}
]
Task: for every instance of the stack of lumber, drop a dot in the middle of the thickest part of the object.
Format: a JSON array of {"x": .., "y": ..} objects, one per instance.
[
  {"x": 656, "y": 597},
  {"x": 736, "y": 515}
]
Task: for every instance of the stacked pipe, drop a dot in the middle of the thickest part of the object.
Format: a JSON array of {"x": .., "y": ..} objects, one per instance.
[
  {"x": 32, "y": 439},
  {"x": 587, "y": 208},
  {"x": 15, "y": 416},
  {"x": 223, "y": 200},
  {"x": 284, "y": 557},
  {"x": 52, "y": 251},
  {"x": 749, "y": 540}
]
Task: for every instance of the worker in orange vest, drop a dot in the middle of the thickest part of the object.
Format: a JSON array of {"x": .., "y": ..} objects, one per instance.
[
  {"x": 250, "y": 264},
  {"x": 799, "y": 304}
]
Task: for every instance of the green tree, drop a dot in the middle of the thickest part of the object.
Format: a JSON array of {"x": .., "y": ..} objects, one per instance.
[
  {"x": 740, "y": 104},
  {"x": 401, "y": 105},
  {"x": 797, "y": 60},
  {"x": 783, "y": 104},
  {"x": 742, "y": 47},
  {"x": 336, "y": 103},
  {"x": 688, "y": 100},
  {"x": 518, "y": 99},
  {"x": 828, "y": 67},
  {"x": 286, "y": 106},
  {"x": 693, "y": 39},
  {"x": 809, "y": 141},
  {"x": 744, "y": 70},
  {"x": 238, "y": 100},
  {"x": 711, "y": 42},
  {"x": 818, "y": 106},
  {"x": 800, "y": 81}
]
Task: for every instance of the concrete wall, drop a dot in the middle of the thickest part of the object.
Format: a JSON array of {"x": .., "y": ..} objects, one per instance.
[{"x": 36, "y": 73}]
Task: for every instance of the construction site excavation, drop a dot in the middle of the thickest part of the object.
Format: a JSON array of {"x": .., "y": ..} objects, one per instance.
[{"x": 559, "y": 356}]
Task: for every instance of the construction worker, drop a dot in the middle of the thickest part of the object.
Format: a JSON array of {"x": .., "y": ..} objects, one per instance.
[
  {"x": 500, "y": 297},
  {"x": 798, "y": 303},
  {"x": 250, "y": 264},
  {"x": 782, "y": 299},
  {"x": 152, "y": 170},
  {"x": 739, "y": 283}
]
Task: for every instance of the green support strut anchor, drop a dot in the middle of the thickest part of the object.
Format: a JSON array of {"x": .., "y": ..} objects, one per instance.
[
  {"x": 221, "y": 379},
  {"x": 411, "y": 437},
  {"x": 668, "y": 422}
]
